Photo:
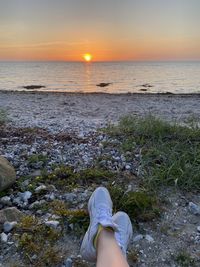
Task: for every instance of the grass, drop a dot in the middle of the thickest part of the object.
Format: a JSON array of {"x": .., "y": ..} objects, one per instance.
[
  {"x": 37, "y": 158},
  {"x": 184, "y": 259},
  {"x": 140, "y": 206},
  {"x": 3, "y": 117},
  {"x": 170, "y": 153}
]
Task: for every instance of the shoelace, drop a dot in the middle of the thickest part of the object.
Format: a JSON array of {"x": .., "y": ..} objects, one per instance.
[{"x": 104, "y": 213}]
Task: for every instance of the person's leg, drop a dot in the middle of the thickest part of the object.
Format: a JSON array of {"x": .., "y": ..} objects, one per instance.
[
  {"x": 109, "y": 254},
  {"x": 107, "y": 237}
]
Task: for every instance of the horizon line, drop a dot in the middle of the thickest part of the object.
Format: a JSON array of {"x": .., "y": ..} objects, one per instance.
[{"x": 104, "y": 61}]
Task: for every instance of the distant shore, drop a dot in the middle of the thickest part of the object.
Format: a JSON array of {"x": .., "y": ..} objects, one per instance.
[{"x": 85, "y": 112}]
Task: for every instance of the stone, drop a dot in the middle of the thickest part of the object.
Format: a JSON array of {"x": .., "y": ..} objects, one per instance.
[
  {"x": 4, "y": 238},
  {"x": 52, "y": 224},
  {"x": 40, "y": 188},
  {"x": 70, "y": 197},
  {"x": 149, "y": 238},
  {"x": 137, "y": 238},
  {"x": 10, "y": 214},
  {"x": 37, "y": 204},
  {"x": 25, "y": 196},
  {"x": 7, "y": 174},
  {"x": 127, "y": 167},
  {"x": 198, "y": 229},
  {"x": 8, "y": 226},
  {"x": 68, "y": 262},
  {"x": 193, "y": 208},
  {"x": 6, "y": 200}
]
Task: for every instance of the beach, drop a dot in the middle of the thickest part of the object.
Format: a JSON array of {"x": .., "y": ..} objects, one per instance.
[
  {"x": 83, "y": 113},
  {"x": 60, "y": 152}
]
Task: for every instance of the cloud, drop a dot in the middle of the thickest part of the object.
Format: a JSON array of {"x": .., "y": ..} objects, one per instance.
[{"x": 41, "y": 45}]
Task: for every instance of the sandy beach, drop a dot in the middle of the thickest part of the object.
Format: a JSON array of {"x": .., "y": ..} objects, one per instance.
[{"x": 86, "y": 112}]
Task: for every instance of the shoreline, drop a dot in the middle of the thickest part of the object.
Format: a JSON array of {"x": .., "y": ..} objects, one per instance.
[
  {"x": 86, "y": 112},
  {"x": 99, "y": 93}
]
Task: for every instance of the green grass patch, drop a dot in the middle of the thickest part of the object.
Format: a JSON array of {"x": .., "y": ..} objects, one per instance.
[
  {"x": 3, "y": 117},
  {"x": 140, "y": 206},
  {"x": 33, "y": 159},
  {"x": 184, "y": 259},
  {"x": 170, "y": 153}
]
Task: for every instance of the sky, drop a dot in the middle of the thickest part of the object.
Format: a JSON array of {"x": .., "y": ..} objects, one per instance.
[{"x": 111, "y": 30}]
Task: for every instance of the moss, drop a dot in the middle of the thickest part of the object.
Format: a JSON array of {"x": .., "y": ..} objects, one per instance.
[
  {"x": 95, "y": 175},
  {"x": 79, "y": 263},
  {"x": 65, "y": 177},
  {"x": 184, "y": 259},
  {"x": 39, "y": 240},
  {"x": 78, "y": 217},
  {"x": 59, "y": 207}
]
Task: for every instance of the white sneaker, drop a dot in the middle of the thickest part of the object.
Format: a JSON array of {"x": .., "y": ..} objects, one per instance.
[
  {"x": 100, "y": 211},
  {"x": 124, "y": 231}
]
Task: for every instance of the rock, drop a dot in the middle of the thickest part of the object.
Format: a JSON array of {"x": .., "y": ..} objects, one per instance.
[
  {"x": 149, "y": 238},
  {"x": 40, "y": 188},
  {"x": 50, "y": 196},
  {"x": 32, "y": 87},
  {"x": 137, "y": 238},
  {"x": 70, "y": 197},
  {"x": 6, "y": 200},
  {"x": 52, "y": 224},
  {"x": 37, "y": 204},
  {"x": 68, "y": 262},
  {"x": 4, "y": 238},
  {"x": 193, "y": 208},
  {"x": 127, "y": 167},
  {"x": 103, "y": 84},
  {"x": 25, "y": 196},
  {"x": 7, "y": 174},
  {"x": 10, "y": 214},
  {"x": 198, "y": 229},
  {"x": 8, "y": 226}
]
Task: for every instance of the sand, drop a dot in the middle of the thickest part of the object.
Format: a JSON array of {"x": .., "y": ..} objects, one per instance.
[{"x": 85, "y": 112}]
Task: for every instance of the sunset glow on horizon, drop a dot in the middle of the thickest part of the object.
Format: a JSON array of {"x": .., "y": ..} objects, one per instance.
[{"x": 111, "y": 30}]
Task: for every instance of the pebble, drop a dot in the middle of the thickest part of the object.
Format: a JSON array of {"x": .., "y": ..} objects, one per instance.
[
  {"x": 52, "y": 224},
  {"x": 70, "y": 197},
  {"x": 25, "y": 196},
  {"x": 40, "y": 188},
  {"x": 137, "y": 238},
  {"x": 8, "y": 226},
  {"x": 149, "y": 238},
  {"x": 127, "y": 167},
  {"x": 4, "y": 237},
  {"x": 6, "y": 200},
  {"x": 50, "y": 196},
  {"x": 194, "y": 209},
  {"x": 68, "y": 262}
]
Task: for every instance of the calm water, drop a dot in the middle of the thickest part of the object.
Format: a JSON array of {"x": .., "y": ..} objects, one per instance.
[{"x": 155, "y": 77}]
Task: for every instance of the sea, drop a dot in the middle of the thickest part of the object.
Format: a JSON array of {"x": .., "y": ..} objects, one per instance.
[{"x": 106, "y": 77}]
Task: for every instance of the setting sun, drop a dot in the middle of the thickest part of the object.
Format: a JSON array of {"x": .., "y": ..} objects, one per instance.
[{"x": 87, "y": 57}]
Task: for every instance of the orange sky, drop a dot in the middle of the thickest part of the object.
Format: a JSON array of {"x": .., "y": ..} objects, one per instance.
[{"x": 109, "y": 30}]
